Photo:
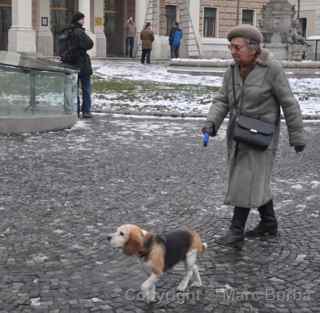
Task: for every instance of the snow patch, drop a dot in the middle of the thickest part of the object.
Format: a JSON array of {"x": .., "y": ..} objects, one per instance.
[
  {"x": 297, "y": 187},
  {"x": 305, "y": 89},
  {"x": 35, "y": 301}
]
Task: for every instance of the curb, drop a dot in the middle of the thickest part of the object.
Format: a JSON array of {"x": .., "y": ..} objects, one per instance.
[{"x": 306, "y": 117}]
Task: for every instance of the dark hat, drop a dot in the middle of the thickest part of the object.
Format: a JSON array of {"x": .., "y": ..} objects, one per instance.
[
  {"x": 77, "y": 17},
  {"x": 246, "y": 31}
]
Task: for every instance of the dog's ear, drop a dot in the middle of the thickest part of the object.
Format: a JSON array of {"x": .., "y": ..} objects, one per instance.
[{"x": 134, "y": 245}]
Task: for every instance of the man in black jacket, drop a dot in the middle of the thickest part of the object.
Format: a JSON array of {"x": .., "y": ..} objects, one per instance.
[{"x": 81, "y": 43}]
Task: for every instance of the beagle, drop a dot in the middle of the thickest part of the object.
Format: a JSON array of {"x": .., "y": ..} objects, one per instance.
[{"x": 160, "y": 253}]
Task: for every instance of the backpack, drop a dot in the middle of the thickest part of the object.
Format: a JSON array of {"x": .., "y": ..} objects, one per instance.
[{"x": 66, "y": 47}]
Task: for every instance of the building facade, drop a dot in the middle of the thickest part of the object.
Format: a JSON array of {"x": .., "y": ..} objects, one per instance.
[
  {"x": 308, "y": 12},
  {"x": 33, "y": 25}
]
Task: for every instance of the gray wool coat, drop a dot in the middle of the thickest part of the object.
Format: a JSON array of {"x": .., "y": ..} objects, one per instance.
[{"x": 264, "y": 92}]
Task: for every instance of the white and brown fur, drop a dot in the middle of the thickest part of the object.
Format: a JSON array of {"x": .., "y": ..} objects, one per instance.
[{"x": 184, "y": 245}]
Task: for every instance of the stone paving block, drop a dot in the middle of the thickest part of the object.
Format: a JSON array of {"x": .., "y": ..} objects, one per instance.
[{"x": 65, "y": 191}]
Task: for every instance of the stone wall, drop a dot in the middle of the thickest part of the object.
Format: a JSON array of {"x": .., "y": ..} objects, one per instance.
[{"x": 227, "y": 13}]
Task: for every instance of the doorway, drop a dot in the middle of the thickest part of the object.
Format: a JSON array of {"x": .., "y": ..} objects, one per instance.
[
  {"x": 61, "y": 14},
  {"x": 5, "y": 23},
  {"x": 116, "y": 14}
]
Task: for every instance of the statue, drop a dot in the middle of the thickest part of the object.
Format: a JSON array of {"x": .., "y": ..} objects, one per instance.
[
  {"x": 294, "y": 35},
  {"x": 282, "y": 31}
]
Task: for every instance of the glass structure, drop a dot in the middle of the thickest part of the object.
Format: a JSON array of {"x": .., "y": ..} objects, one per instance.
[{"x": 30, "y": 86}]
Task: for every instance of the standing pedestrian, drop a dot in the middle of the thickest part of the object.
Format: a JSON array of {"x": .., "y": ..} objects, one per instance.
[
  {"x": 79, "y": 44},
  {"x": 175, "y": 40},
  {"x": 131, "y": 31},
  {"x": 255, "y": 85},
  {"x": 147, "y": 38}
]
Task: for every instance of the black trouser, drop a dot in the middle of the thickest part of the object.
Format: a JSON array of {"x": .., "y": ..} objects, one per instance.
[
  {"x": 239, "y": 219},
  {"x": 267, "y": 214},
  {"x": 174, "y": 53},
  {"x": 129, "y": 46},
  {"x": 146, "y": 55}
]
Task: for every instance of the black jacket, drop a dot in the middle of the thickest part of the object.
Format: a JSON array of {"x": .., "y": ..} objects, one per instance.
[{"x": 82, "y": 43}]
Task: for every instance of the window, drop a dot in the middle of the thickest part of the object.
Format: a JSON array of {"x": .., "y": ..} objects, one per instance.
[
  {"x": 247, "y": 16},
  {"x": 110, "y": 5},
  {"x": 303, "y": 26},
  {"x": 209, "y": 23},
  {"x": 171, "y": 15}
]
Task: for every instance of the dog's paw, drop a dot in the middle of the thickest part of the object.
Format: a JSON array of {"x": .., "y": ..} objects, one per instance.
[
  {"x": 148, "y": 294},
  {"x": 150, "y": 297},
  {"x": 151, "y": 300}
]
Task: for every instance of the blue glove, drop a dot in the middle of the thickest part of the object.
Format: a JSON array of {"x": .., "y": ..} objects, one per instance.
[{"x": 205, "y": 139}]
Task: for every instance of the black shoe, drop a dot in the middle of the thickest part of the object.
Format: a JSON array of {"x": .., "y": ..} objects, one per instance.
[
  {"x": 87, "y": 115},
  {"x": 263, "y": 229},
  {"x": 231, "y": 238},
  {"x": 235, "y": 235},
  {"x": 268, "y": 224}
]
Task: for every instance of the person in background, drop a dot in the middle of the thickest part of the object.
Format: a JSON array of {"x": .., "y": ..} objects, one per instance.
[
  {"x": 261, "y": 90},
  {"x": 131, "y": 31},
  {"x": 175, "y": 40},
  {"x": 147, "y": 38},
  {"x": 79, "y": 58}
]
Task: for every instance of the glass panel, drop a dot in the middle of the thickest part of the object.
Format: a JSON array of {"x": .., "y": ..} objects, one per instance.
[
  {"x": 33, "y": 86},
  {"x": 27, "y": 91},
  {"x": 71, "y": 91},
  {"x": 49, "y": 93},
  {"x": 27, "y": 61},
  {"x": 14, "y": 92}
]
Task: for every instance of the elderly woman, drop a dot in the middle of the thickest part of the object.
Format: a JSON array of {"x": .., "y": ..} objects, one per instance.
[{"x": 256, "y": 85}]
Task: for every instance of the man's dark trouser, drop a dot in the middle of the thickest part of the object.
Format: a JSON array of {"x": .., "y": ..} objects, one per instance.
[
  {"x": 146, "y": 55},
  {"x": 174, "y": 53},
  {"x": 129, "y": 46},
  {"x": 85, "y": 82}
]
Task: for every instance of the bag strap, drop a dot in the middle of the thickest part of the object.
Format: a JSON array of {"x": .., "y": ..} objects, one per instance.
[{"x": 234, "y": 91}]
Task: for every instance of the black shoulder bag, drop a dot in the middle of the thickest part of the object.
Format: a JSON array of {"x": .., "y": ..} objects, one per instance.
[{"x": 251, "y": 131}]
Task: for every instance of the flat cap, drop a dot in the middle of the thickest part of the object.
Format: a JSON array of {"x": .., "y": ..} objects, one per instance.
[{"x": 246, "y": 31}]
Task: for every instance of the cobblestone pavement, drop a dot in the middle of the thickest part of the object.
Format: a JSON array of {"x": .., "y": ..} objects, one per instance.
[{"x": 62, "y": 192}]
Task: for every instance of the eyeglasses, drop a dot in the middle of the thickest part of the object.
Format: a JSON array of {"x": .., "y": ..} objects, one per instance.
[{"x": 236, "y": 47}]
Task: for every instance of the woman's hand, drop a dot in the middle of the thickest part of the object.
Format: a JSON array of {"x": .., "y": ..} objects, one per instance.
[{"x": 209, "y": 130}]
